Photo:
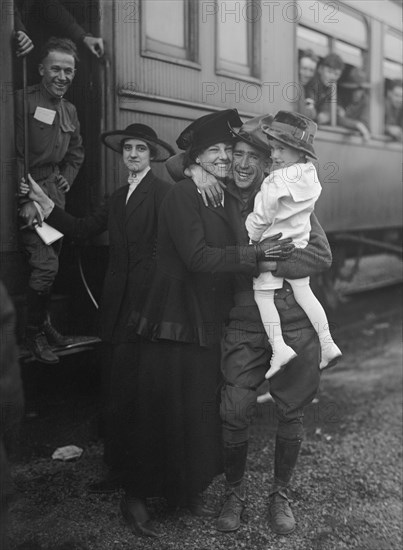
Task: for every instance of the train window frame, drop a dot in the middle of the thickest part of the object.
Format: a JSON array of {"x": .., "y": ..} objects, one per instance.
[
  {"x": 392, "y": 59},
  {"x": 187, "y": 56},
  {"x": 252, "y": 71},
  {"x": 333, "y": 39}
]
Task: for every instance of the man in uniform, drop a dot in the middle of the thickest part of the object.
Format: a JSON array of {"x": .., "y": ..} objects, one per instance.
[
  {"x": 56, "y": 154},
  {"x": 246, "y": 350}
]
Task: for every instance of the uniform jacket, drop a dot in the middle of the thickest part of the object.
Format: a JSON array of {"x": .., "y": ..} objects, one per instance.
[
  {"x": 54, "y": 148},
  {"x": 197, "y": 254},
  {"x": 132, "y": 237},
  {"x": 321, "y": 94}
]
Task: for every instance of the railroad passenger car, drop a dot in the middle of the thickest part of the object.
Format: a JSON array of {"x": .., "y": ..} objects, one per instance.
[{"x": 170, "y": 61}]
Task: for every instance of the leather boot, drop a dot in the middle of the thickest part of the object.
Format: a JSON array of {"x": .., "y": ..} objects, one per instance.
[
  {"x": 52, "y": 334},
  {"x": 233, "y": 508},
  {"x": 38, "y": 345},
  {"x": 35, "y": 339},
  {"x": 235, "y": 494},
  {"x": 282, "y": 520}
]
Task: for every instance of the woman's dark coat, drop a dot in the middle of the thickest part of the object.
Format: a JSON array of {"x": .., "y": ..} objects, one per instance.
[
  {"x": 132, "y": 236},
  {"x": 197, "y": 255}
]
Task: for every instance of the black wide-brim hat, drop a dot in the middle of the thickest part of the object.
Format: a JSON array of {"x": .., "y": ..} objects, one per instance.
[
  {"x": 292, "y": 129},
  {"x": 251, "y": 132},
  {"x": 115, "y": 139},
  {"x": 209, "y": 129}
]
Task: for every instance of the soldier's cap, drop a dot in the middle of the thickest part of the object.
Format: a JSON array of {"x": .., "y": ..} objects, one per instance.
[{"x": 251, "y": 132}]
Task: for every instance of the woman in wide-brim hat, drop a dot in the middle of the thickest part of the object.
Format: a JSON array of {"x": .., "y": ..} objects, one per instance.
[
  {"x": 131, "y": 217},
  {"x": 160, "y": 150},
  {"x": 184, "y": 316}
]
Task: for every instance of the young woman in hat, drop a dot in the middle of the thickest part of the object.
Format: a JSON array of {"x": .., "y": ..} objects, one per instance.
[
  {"x": 130, "y": 215},
  {"x": 284, "y": 204}
]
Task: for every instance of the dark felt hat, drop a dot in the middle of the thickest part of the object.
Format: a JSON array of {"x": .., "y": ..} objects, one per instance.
[
  {"x": 251, "y": 132},
  {"x": 355, "y": 80},
  {"x": 114, "y": 140},
  {"x": 292, "y": 129},
  {"x": 209, "y": 129},
  {"x": 333, "y": 61}
]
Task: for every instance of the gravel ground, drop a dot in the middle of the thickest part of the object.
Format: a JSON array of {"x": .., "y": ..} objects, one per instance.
[{"x": 346, "y": 489}]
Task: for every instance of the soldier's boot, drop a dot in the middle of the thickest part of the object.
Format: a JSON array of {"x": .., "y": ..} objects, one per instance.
[
  {"x": 235, "y": 493},
  {"x": 52, "y": 334},
  {"x": 282, "y": 519},
  {"x": 35, "y": 338}
]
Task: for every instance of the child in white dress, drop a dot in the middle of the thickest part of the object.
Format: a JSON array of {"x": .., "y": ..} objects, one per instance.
[{"x": 284, "y": 204}]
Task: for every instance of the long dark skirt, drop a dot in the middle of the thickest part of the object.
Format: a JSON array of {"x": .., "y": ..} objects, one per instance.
[{"x": 164, "y": 418}]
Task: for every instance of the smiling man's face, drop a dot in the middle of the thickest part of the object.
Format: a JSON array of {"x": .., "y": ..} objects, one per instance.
[
  {"x": 57, "y": 71},
  {"x": 248, "y": 165}
]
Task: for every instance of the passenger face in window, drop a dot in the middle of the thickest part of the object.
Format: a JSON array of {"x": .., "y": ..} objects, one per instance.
[
  {"x": 357, "y": 95},
  {"x": 328, "y": 75},
  {"x": 307, "y": 68},
  {"x": 216, "y": 159},
  {"x": 248, "y": 165},
  {"x": 136, "y": 155},
  {"x": 396, "y": 96}
]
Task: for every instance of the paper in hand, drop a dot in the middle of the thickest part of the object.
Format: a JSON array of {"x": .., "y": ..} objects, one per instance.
[{"x": 48, "y": 233}]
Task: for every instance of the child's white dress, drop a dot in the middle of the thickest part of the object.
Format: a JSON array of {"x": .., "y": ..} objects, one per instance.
[{"x": 284, "y": 205}]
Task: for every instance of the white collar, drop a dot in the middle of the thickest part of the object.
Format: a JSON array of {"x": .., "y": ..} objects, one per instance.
[{"x": 138, "y": 176}]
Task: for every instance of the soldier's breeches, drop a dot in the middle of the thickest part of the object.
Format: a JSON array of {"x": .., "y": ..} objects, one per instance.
[
  {"x": 43, "y": 260},
  {"x": 245, "y": 357}
]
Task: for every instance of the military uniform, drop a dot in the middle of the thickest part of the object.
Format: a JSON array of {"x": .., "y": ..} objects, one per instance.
[{"x": 55, "y": 148}]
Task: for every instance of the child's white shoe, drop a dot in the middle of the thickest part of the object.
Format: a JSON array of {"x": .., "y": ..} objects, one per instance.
[
  {"x": 330, "y": 354},
  {"x": 282, "y": 354}
]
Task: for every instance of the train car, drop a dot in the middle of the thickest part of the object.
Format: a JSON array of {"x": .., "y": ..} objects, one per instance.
[{"x": 168, "y": 62}]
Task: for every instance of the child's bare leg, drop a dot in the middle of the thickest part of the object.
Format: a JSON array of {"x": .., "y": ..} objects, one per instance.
[
  {"x": 282, "y": 354},
  {"x": 304, "y": 296}
]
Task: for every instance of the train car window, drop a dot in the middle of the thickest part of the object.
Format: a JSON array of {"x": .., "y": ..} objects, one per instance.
[
  {"x": 335, "y": 21},
  {"x": 351, "y": 55},
  {"x": 176, "y": 40},
  {"x": 327, "y": 27},
  {"x": 393, "y": 55},
  {"x": 238, "y": 19},
  {"x": 307, "y": 39},
  {"x": 393, "y": 73}
]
